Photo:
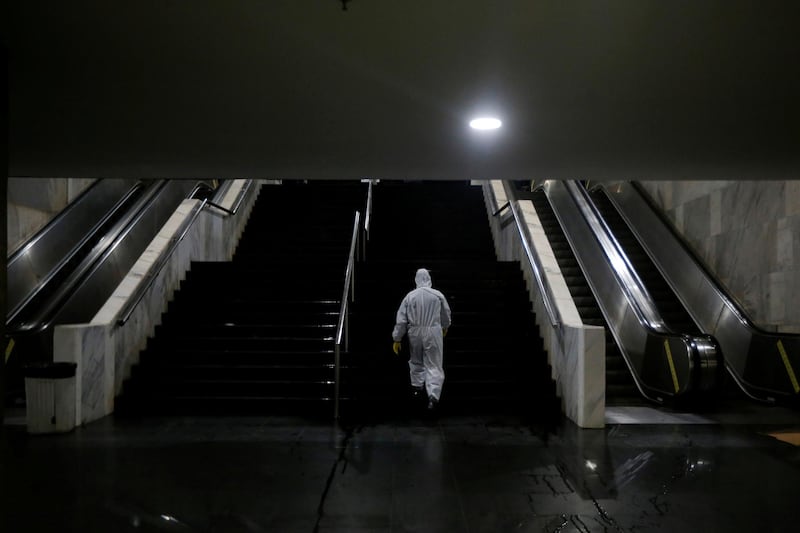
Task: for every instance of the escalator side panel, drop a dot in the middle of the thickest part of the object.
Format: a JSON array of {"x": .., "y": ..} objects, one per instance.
[
  {"x": 764, "y": 364},
  {"x": 36, "y": 260}
]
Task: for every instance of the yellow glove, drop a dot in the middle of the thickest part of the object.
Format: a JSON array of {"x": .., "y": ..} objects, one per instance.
[
  {"x": 396, "y": 348},
  {"x": 444, "y": 332}
]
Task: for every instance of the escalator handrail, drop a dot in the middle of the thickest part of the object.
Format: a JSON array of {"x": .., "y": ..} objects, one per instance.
[{"x": 629, "y": 281}]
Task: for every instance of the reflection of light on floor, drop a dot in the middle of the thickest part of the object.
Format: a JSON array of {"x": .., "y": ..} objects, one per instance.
[
  {"x": 792, "y": 437},
  {"x": 648, "y": 415}
]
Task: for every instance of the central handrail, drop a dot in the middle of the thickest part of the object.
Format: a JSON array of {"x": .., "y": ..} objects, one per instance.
[
  {"x": 368, "y": 214},
  {"x": 133, "y": 302},
  {"x": 348, "y": 294},
  {"x": 367, "y": 221},
  {"x": 538, "y": 269}
]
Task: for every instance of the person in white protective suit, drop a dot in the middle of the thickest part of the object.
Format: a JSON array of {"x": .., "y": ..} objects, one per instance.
[{"x": 424, "y": 315}]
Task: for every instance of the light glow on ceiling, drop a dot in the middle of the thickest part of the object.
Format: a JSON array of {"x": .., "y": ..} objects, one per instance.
[{"x": 485, "y": 123}]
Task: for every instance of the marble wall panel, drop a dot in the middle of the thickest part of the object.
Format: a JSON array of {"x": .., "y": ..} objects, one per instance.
[
  {"x": 750, "y": 240},
  {"x": 75, "y": 186},
  {"x": 708, "y": 254},
  {"x": 791, "y": 298},
  {"x": 793, "y": 223},
  {"x": 42, "y": 194},
  {"x": 749, "y": 203},
  {"x": 23, "y": 222},
  {"x": 89, "y": 347},
  {"x": 774, "y": 288},
  {"x": 784, "y": 244},
  {"x": 591, "y": 383},
  {"x": 677, "y": 215},
  {"x": 33, "y": 202},
  {"x": 697, "y": 220},
  {"x": 661, "y": 192},
  {"x": 715, "y": 212},
  {"x": 792, "y": 198}
]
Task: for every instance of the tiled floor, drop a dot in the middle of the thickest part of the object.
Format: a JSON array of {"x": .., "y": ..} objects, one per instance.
[{"x": 451, "y": 474}]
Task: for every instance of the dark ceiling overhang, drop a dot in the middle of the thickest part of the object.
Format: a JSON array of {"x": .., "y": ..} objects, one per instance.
[{"x": 302, "y": 89}]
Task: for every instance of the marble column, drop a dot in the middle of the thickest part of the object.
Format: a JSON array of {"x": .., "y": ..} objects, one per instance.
[
  {"x": 576, "y": 352},
  {"x": 89, "y": 347}
]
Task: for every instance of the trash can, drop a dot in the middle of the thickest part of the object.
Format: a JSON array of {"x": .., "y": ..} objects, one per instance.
[{"x": 50, "y": 397}]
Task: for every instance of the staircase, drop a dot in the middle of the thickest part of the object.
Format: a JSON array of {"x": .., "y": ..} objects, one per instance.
[
  {"x": 493, "y": 356},
  {"x": 620, "y": 387},
  {"x": 255, "y": 335}
]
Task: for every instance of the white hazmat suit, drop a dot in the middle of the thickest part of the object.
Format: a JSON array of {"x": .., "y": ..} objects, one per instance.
[{"x": 423, "y": 314}]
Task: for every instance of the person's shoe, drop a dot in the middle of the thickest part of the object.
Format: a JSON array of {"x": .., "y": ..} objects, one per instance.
[{"x": 433, "y": 403}]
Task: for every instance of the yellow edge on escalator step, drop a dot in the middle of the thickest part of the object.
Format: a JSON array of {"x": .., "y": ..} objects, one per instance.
[
  {"x": 9, "y": 347},
  {"x": 671, "y": 365},
  {"x": 788, "y": 366}
]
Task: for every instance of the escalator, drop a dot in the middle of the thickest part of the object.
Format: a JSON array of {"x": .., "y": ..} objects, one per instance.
[
  {"x": 620, "y": 387},
  {"x": 669, "y": 306},
  {"x": 65, "y": 273},
  {"x": 668, "y": 359},
  {"x": 763, "y": 364}
]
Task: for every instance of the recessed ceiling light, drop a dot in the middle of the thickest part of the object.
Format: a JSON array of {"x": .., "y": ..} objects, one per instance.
[{"x": 485, "y": 123}]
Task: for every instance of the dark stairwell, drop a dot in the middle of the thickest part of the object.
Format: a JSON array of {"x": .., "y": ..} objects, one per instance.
[
  {"x": 255, "y": 335},
  {"x": 493, "y": 356}
]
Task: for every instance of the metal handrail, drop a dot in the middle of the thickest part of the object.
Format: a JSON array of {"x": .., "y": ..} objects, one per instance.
[
  {"x": 348, "y": 293},
  {"x": 141, "y": 289},
  {"x": 500, "y": 209},
  {"x": 368, "y": 213},
  {"x": 239, "y": 198},
  {"x": 538, "y": 269},
  {"x": 132, "y": 303},
  {"x": 367, "y": 219}
]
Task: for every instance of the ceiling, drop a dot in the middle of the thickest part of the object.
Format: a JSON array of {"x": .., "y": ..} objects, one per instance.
[{"x": 644, "y": 89}]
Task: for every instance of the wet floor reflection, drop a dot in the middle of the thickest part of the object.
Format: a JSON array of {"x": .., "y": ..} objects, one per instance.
[{"x": 468, "y": 474}]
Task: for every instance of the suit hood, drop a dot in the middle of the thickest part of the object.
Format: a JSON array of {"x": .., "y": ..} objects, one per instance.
[{"x": 423, "y": 278}]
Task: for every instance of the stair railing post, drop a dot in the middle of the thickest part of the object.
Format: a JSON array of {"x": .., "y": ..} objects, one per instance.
[{"x": 336, "y": 383}]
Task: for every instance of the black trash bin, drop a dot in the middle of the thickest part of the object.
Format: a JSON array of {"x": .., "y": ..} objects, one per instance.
[{"x": 50, "y": 396}]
